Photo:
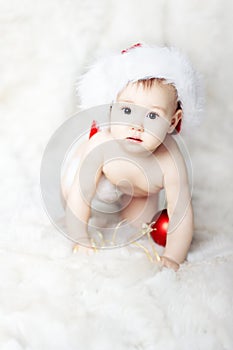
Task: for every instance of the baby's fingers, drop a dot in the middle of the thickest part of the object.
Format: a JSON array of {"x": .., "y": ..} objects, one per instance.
[{"x": 171, "y": 264}]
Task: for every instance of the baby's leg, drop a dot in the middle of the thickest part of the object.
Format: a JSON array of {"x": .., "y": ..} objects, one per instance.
[{"x": 141, "y": 210}]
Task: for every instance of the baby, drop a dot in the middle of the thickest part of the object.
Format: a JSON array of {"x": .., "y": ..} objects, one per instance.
[{"x": 152, "y": 91}]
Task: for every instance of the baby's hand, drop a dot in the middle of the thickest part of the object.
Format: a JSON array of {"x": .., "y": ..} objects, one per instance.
[{"x": 169, "y": 263}]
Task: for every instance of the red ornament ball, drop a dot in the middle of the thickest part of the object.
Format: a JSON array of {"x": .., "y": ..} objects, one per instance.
[{"x": 159, "y": 233}]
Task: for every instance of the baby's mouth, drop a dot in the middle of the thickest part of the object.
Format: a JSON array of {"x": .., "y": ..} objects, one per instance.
[{"x": 134, "y": 139}]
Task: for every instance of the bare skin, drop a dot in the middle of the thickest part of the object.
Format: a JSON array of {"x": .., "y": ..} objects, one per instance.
[{"x": 140, "y": 157}]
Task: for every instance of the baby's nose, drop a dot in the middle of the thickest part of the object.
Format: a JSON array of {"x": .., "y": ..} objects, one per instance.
[{"x": 137, "y": 127}]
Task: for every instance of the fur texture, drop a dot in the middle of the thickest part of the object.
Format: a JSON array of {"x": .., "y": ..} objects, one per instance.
[{"x": 51, "y": 298}]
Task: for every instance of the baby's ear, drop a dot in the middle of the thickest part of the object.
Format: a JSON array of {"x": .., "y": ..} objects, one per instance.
[{"x": 176, "y": 119}]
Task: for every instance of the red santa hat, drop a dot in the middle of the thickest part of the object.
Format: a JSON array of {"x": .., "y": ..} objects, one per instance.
[{"x": 109, "y": 75}]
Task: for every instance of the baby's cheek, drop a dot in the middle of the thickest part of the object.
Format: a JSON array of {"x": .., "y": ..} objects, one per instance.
[
  {"x": 157, "y": 127},
  {"x": 151, "y": 142},
  {"x": 114, "y": 131},
  {"x": 157, "y": 131},
  {"x": 117, "y": 131}
]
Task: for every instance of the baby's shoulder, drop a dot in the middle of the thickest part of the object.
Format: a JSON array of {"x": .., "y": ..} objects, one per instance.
[
  {"x": 169, "y": 154},
  {"x": 98, "y": 139}
]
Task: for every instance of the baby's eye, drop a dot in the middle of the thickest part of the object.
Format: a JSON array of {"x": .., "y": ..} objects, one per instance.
[
  {"x": 126, "y": 110},
  {"x": 152, "y": 115}
]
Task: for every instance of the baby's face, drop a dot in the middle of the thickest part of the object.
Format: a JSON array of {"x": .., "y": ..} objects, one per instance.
[{"x": 144, "y": 115}]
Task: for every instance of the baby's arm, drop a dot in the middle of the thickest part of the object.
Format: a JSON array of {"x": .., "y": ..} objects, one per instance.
[
  {"x": 179, "y": 208},
  {"x": 78, "y": 205}
]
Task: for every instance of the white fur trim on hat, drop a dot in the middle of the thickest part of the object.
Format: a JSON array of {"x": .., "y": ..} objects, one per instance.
[{"x": 109, "y": 75}]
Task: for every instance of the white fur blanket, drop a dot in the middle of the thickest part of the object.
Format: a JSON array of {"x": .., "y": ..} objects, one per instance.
[{"x": 51, "y": 298}]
